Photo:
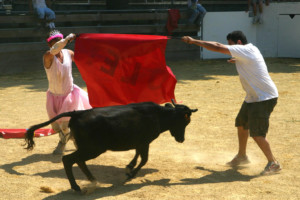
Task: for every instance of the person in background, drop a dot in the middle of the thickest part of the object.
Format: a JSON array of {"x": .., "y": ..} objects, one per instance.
[
  {"x": 63, "y": 95},
  {"x": 257, "y": 16},
  {"x": 45, "y": 15},
  {"x": 261, "y": 95},
  {"x": 196, "y": 12}
]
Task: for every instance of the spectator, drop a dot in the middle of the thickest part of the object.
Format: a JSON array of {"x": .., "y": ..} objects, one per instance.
[
  {"x": 196, "y": 12},
  {"x": 45, "y": 15},
  {"x": 257, "y": 16}
]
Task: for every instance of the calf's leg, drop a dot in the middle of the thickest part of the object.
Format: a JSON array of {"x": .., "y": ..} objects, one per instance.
[
  {"x": 79, "y": 157},
  {"x": 68, "y": 161},
  {"x": 132, "y": 164},
  {"x": 86, "y": 171},
  {"x": 143, "y": 151}
]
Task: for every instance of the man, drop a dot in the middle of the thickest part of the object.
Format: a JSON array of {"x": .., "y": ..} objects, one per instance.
[
  {"x": 261, "y": 95},
  {"x": 257, "y": 17},
  {"x": 45, "y": 15},
  {"x": 62, "y": 95}
]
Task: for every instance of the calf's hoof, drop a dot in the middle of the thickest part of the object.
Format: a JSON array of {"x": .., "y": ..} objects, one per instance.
[
  {"x": 90, "y": 188},
  {"x": 130, "y": 176},
  {"x": 128, "y": 169},
  {"x": 76, "y": 188}
]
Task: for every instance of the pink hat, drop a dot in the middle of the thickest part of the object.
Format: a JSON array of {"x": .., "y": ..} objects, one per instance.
[{"x": 55, "y": 36}]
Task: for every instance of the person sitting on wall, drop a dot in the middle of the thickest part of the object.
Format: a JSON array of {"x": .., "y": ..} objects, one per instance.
[
  {"x": 195, "y": 12},
  {"x": 257, "y": 16},
  {"x": 45, "y": 15}
]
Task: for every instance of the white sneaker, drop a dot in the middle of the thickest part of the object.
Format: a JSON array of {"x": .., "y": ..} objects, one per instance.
[
  {"x": 52, "y": 25},
  {"x": 271, "y": 168},
  {"x": 59, "y": 150},
  {"x": 238, "y": 160},
  {"x": 254, "y": 19},
  {"x": 260, "y": 20}
]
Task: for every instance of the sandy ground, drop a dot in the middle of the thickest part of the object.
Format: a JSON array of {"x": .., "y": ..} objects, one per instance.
[{"x": 193, "y": 170}]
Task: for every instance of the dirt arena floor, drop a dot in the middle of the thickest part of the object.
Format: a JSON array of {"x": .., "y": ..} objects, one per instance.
[{"x": 194, "y": 169}]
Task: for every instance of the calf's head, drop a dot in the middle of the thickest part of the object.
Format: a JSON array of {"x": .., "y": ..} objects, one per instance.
[{"x": 180, "y": 120}]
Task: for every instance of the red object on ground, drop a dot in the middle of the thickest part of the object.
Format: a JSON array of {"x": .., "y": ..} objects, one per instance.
[
  {"x": 119, "y": 69},
  {"x": 20, "y": 133}
]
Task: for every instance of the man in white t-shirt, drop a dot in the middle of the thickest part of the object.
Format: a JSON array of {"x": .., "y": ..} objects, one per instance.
[{"x": 261, "y": 95}]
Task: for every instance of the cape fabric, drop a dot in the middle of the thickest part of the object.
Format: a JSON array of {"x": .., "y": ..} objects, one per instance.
[
  {"x": 119, "y": 69},
  {"x": 20, "y": 133}
]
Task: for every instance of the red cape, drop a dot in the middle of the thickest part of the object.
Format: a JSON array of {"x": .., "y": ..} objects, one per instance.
[
  {"x": 123, "y": 68},
  {"x": 20, "y": 133}
]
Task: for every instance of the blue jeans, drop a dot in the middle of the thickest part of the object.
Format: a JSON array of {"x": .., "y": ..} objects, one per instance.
[
  {"x": 45, "y": 12},
  {"x": 196, "y": 15}
]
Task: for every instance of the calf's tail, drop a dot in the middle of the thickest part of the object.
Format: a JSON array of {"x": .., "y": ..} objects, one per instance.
[{"x": 30, "y": 132}]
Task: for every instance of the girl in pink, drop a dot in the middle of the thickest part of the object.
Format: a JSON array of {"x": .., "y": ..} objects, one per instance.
[{"x": 63, "y": 95}]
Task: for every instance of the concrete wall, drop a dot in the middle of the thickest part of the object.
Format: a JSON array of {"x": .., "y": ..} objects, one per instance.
[
  {"x": 217, "y": 25},
  {"x": 18, "y": 58},
  {"x": 278, "y": 36}
]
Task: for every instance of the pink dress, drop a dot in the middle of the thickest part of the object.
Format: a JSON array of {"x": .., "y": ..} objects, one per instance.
[{"x": 63, "y": 95}]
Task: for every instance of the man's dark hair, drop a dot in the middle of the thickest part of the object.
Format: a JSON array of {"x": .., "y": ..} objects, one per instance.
[{"x": 237, "y": 35}]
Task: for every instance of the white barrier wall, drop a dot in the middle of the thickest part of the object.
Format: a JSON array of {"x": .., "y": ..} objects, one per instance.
[
  {"x": 278, "y": 36},
  {"x": 217, "y": 25}
]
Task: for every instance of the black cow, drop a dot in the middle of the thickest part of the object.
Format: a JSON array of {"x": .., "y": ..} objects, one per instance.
[{"x": 118, "y": 128}]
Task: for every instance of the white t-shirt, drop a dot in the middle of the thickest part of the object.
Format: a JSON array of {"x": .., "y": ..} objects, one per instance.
[{"x": 253, "y": 73}]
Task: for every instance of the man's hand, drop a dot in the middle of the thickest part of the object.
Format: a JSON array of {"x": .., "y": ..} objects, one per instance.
[
  {"x": 187, "y": 39},
  {"x": 71, "y": 37}
]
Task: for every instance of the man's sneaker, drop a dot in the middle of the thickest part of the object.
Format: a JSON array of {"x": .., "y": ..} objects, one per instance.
[
  {"x": 260, "y": 20},
  {"x": 59, "y": 150},
  {"x": 239, "y": 160},
  {"x": 271, "y": 168}
]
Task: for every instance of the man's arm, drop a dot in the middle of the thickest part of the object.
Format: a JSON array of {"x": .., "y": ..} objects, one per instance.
[
  {"x": 72, "y": 55},
  {"x": 58, "y": 46},
  {"x": 48, "y": 59},
  {"x": 211, "y": 46}
]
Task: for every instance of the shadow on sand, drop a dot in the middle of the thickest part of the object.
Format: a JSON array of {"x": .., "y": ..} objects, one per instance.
[
  {"x": 230, "y": 175},
  {"x": 111, "y": 175},
  {"x": 100, "y": 171}
]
